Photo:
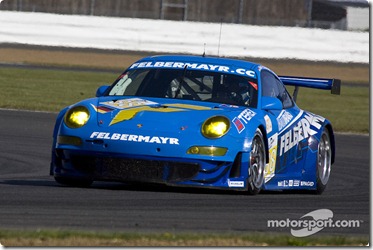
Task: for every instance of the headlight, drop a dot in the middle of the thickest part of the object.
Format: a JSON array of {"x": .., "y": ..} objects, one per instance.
[
  {"x": 215, "y": 127},
  {"x": 77, "y": 117}
]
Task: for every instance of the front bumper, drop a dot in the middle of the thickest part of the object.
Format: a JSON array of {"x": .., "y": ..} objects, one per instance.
[{"x": 139, "y": 168}]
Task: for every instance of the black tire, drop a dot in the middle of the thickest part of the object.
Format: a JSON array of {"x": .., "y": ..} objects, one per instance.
[
  {"x": 324, "y": 162},
  {"x": 73, "y": 182},
  {"x": 257, "y": 163}
]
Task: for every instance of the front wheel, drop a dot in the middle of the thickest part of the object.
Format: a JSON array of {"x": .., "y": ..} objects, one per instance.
[
  {"x": 257, "y": 163},
  {"x": 324, "y": 162}
]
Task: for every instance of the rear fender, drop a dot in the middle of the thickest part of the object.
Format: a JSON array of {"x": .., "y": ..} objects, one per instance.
[
  {"x": 332, "y": 139},
  {"x": 310, "y": 169}
]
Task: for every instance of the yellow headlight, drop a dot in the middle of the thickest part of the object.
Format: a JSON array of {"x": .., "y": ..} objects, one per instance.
[
  {"x": 215, "y": 127},
  {"x": 77, "y": 117}
]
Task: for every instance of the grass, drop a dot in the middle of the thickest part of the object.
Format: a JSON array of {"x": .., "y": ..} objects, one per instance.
[
  {"x": 348, "y": 112},
  {"x": 48, "y": 90},
  {"x": 109, "y": 59},
  {"x": 57, "y": 238},
  {"x": 52, "y": 90}
]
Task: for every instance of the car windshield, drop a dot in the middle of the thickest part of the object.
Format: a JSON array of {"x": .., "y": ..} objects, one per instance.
[{"x": 187, "y": 84}]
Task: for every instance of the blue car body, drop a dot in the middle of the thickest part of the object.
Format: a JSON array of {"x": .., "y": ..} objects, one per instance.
[{"x": 160, "y": 138}]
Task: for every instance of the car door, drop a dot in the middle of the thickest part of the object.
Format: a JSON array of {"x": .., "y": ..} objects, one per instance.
[{"x": 285, "y": 153}]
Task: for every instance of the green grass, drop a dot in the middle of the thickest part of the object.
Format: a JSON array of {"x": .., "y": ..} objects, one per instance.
[
  {"x": 48, "y": 90},
  {"x": 348, "y": 112},
  {"x": 52, "y": 90},
  {"x": 12, "y": 238}
]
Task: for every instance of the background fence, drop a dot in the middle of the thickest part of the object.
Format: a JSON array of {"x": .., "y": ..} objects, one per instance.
[{"x": 301, "y": 13}]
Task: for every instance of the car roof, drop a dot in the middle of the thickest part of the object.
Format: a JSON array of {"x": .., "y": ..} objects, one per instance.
[{"x": 202, "y": 59}]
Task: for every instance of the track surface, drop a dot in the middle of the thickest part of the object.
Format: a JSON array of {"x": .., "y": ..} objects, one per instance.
[{"x": 30, "y": 199}]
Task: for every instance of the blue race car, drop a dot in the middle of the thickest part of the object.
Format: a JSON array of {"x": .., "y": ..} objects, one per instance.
[{"x": 199, "y": 122}]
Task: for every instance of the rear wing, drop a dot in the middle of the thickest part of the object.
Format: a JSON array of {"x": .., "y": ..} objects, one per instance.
[{"x": 317, "y": 83}]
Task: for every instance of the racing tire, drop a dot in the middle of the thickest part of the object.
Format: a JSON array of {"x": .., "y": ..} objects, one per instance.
[
  {"x": 73, "y": 182},
  {"x": 257, "y": 163},
  {"x": 324, "y": 162}
]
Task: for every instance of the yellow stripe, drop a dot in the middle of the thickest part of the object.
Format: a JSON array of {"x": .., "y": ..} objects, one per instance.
[
  {"x": 187, "y": 106},
  {"x": 128, "y": 114}
]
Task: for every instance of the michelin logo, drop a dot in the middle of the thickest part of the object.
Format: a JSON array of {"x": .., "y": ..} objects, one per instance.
[
  {"x": 235, "y": 183},
  {"x": 134, "y": 138}
]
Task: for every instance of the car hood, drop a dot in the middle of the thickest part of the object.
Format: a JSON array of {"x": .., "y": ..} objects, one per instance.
[
  {"x": 114, "y": 111},
  {"x": 159, "y": 114}
]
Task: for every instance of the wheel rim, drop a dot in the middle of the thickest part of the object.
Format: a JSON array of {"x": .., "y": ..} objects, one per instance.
[
  {"x": 256, "y": 170},
  {"x": 324, "y": 159}
]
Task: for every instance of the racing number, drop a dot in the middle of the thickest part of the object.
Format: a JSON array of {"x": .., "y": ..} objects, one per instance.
[
  {"x": 269, "y": 170},
  {"x": 272, "y": 159}
]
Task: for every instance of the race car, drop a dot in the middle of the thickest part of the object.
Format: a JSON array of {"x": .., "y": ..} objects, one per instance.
[{"x": 196, "y": 121}]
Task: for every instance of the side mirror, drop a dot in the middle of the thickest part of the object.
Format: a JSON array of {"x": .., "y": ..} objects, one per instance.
[
  {"x": 101, "y": 90},
  {"x": 271, "y": 103}
]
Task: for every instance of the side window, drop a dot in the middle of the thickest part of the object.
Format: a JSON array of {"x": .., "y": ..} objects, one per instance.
[
  {"x": 273, "y": 87},
  {"x": 128, "y": 83},
  {"x": 287, "y": 102}
]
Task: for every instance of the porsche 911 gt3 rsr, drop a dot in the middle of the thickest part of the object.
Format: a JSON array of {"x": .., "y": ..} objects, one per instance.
[{"x": 196, "y": 121}]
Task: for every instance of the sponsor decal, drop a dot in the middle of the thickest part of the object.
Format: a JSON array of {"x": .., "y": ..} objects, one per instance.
[
  {"x": 302, "y": 130},
  {"x": 288, "y": 183},
  {"x": 268, "y": 124},
  {"x": 235, "y": 183},
  {"x": 283, "y": 119},
  {"x": 128, "y": 103},
  {"x": 198, "y": 66},
  {"x": 103, "y": 110},
  {"x": 239, "y": 125},
  {"x": 283, "y": 183},
  {"x": 269, "y": 170},
  {"x": 246, "y": 115},
  {"x": 243, "y": 118},
  {"x": 228, "y": 106},
  {"x": 307, "y": 183},
  {"x": 134, "y": 138}
]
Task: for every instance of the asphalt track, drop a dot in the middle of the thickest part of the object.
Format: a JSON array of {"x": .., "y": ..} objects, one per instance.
[{"x": 30, "y": 199}]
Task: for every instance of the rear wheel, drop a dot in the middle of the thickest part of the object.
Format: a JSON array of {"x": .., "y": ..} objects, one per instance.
[
  {"x": 257, "y": 163},
  {"x": 324, "y": 162}
]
